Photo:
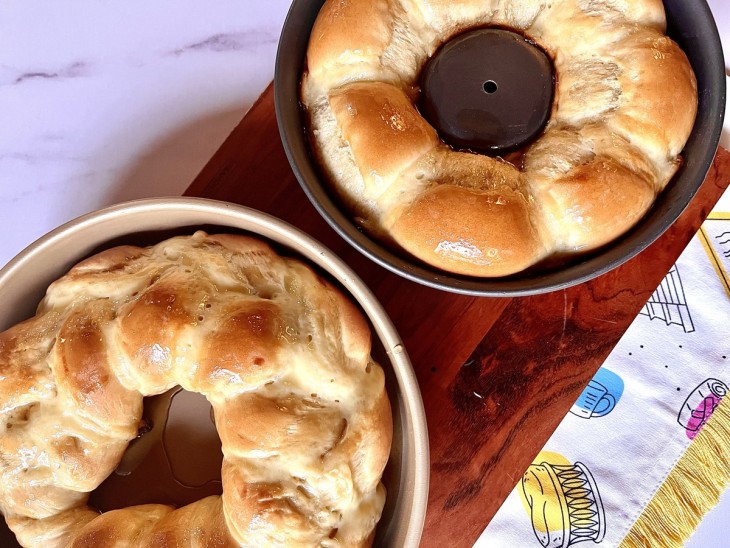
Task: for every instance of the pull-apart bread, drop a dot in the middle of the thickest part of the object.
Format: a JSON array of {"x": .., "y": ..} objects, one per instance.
[{"x": 624, "y": 105}]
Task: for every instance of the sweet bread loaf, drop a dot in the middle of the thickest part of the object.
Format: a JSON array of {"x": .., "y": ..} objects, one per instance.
[
  {"x": 282, "y": 356},
  {"x": 625, "y": 101}
]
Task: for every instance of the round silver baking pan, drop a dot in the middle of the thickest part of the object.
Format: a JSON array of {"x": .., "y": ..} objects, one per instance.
[{"x": 23, "y": 282}]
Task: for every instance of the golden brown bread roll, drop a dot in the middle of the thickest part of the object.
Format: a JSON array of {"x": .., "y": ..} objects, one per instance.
[
  {"x": 437, "y": 226},
  {"x": 625, "y": 103},
  {"x": 282, "y": 356}
]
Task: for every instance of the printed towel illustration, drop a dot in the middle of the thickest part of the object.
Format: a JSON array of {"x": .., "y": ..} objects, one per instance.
[
  {"x": 563, "y": 502},
  {"x": 600, "y": 396},
  {"x": 637, "y": 416}
]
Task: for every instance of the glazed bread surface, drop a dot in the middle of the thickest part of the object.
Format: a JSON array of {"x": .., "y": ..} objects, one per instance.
[
  {"x": 281, "y": 354},
  {"x": 625, "y": 103}
]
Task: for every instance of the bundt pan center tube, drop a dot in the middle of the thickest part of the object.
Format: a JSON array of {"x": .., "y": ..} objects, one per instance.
[{"x": 552, "y": 214}]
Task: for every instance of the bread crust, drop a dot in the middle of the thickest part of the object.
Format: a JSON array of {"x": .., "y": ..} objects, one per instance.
[
  {"x": 625, "y": 104},
  {"x": 281, "y": 354}
]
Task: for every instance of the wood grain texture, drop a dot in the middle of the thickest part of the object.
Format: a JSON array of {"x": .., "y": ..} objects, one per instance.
[{"x": 497, "y": 375}]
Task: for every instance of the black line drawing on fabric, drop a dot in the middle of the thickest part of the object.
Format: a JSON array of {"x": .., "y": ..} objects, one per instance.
[
  {"x": 725, "y": 252},
  {"x": 668, "y": 303},
  {"x": 715, "y": 238},
  {"x": 565, "y": 505},
  {"x": 700, "y": 404},
  {"x": 600, "y": 396}
]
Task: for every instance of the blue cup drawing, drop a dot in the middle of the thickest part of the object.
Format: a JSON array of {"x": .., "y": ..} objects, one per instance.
[{"x": 600, "y": 396}]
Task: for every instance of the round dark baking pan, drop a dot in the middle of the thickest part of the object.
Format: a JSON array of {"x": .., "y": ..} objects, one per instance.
[{"x": 690, "y": 24}]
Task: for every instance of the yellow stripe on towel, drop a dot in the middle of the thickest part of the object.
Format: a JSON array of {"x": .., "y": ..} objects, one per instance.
[{"x": 690, "y": 490}]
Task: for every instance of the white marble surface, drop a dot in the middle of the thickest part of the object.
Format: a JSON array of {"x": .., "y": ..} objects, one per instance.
[{"x": 102, "y": 102}]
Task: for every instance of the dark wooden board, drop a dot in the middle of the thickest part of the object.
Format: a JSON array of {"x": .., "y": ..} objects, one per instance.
[{"x": 497, "y": 375}]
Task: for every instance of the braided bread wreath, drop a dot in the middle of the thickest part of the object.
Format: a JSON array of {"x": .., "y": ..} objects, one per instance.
[
  {"x": 283, "y": 357},
  {"x": 625, "y": 103}
]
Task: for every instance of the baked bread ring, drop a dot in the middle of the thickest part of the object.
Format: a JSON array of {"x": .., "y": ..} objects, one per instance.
[
  {"x": 625, "y": 103},
  {"x": 282, "y": 356}
]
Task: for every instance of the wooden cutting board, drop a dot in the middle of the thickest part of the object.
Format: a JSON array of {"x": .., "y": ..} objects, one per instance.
[{"x": 497, "y": 374}]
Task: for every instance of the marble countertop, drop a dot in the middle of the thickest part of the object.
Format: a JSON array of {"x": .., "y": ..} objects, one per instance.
[{"x": 110, "y": 101}]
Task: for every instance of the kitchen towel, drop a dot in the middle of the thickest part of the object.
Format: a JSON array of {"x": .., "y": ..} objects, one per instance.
[{"x": 634, "y": 461}]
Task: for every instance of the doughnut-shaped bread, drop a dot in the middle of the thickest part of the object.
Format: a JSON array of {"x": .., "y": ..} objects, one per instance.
[
  {"x": 625, "y": 103},
  {"x": 281, "y": 355}
]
